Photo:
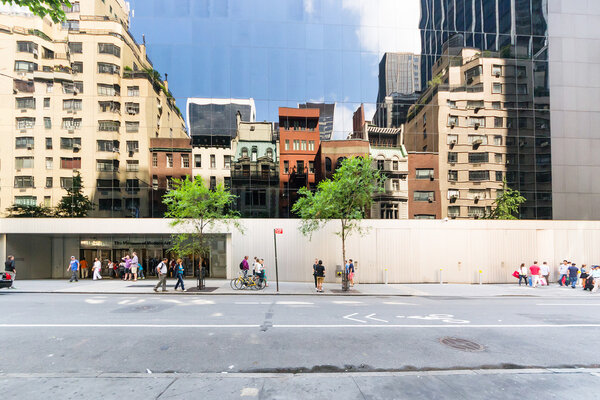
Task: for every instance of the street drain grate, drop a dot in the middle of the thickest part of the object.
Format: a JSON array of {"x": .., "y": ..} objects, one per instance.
[{"x": 461, "y": 344}]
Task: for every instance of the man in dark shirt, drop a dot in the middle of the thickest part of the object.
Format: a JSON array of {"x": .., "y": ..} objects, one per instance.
[
  {"x": 320, "y": 270},
  {"x": 573, "y": 270},
  {"x": 9, "y": 266},
  {"x": 315, "y": 271}
]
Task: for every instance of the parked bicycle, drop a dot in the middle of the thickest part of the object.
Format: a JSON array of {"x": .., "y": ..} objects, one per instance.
[{"x": 250, "y": 282}]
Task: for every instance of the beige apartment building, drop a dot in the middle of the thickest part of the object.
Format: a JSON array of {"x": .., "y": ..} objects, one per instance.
[
  {"x": 469, "y": 118},
  {"x": 77, "y": 96}
]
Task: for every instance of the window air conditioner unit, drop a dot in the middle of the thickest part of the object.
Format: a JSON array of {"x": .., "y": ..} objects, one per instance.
[
  {"x": 130, "y": 153},
  {"x": 71, "y": 131},
  {"x": 430, "y": 199},
  {"x": 452, "y": 124},
  {"x": 497, "y": 74},
  {"x": 76, "y": 147},
  {"x": 452, "y": 142},
  {"x": 544, "y": 144},
  {"x": 507, "y": 162},
  {"x": 29, "y": 147},
  {"x": 476, "y": 125},
  {"x": 431, "y": 177},
  {"x": 477, "y": 142},
  {"x": 477, "y": 109},
  {"x": 476, "y": 199}
]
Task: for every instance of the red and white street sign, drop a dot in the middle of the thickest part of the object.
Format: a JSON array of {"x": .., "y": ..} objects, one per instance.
[{"x": 278, "y": 231}]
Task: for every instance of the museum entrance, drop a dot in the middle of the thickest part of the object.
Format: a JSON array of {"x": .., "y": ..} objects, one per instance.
[{"x": 151, "y": 249}]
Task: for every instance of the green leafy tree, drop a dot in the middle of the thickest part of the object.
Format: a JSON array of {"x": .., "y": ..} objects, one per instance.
[
  {"x": 22, "y": 211},
  {"x": 507, "y": 205},
  {"x": 41, "y": 8},
  {"x": 346, "y": 198},
  {"x": 74, "y": 204},
  {"x": 194, "y": 208}
]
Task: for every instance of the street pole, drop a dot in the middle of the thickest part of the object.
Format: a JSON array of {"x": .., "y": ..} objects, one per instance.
[{"x": 276, "y": 267}]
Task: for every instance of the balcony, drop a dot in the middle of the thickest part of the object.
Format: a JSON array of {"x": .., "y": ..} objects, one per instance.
[{"x": 255, "y": 176}]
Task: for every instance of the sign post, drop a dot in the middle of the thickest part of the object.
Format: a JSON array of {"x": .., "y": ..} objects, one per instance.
[{"x": 276, "y": 231}]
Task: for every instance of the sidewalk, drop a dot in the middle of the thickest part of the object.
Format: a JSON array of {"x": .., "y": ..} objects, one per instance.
[{"x": 222, "y": 287}]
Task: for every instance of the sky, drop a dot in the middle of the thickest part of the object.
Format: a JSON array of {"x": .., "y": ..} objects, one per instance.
[{"x": 279, "y": 52}]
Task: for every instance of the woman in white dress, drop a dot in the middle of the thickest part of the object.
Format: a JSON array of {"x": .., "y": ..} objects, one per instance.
[{"x": 97, "y": 268}]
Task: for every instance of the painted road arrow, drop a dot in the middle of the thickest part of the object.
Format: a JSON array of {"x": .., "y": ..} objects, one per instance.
[{"x": 349, "y": 316}]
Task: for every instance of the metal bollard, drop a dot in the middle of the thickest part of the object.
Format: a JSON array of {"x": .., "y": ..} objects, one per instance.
[
  {"x": 385, "y": 276},
  {"x": 441, "y": 280},
  {"x": 480, "y": 272}
]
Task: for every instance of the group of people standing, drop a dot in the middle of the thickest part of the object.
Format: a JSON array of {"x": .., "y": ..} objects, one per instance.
[
  {"x": 569, "y": 275},
  {"x": 258, "y": 268}
]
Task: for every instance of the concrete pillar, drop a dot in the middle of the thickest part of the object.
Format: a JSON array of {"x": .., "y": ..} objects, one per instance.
[{"x": 3, "y": 254}]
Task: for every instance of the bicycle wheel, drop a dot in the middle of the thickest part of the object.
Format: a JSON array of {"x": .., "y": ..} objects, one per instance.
[
  {"x": 239, "y": 283},
  {"x": 261, "y": 284},
  {"x": 232, "y": 283}
]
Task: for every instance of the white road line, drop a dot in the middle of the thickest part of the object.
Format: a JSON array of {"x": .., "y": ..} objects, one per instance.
[
  {"x": 294, "y": 303},
  {"x": 567, "y": 304},
  {"x": 346, "y": 302},
  {"x": 370, "y": 316},
  {"x": 127, "y": 326},
  {"x": 398, "y": 303},
  {"x": 349, "y": 316},
  {"x": 311, "y": 326}
]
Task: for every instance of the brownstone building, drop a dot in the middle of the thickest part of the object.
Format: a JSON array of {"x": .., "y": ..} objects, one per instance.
[
  {"x": 423, "y": 187},
  {"x": 332, "y": 153},
  {"x": 169, "y": 158}
]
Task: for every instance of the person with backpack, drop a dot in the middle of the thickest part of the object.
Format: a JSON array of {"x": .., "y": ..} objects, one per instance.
[
  {"x": 244, "y": 266},
  {"x": 179, "y": 274},
  {"x": 161, "y": 271}
]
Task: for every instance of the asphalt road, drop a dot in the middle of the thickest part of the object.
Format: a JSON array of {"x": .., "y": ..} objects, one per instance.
[{"x": 238, "y": 342}]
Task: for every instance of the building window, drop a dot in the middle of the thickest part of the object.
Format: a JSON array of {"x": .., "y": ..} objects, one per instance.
[
  {"x": 498, "y": 176},
  {"x": 311, "y": 167},
  {"x": 154, "y": 160},
  {"x": 452, "y": 120},
  {"x": 25, "y": 123},
  {"x": 452, "y": 157},
  {"x": 107, "y": 165},
  {"x": 49, "y": 163},
  {"x": 254, "y": 156},
  {"x": 132, "y": 127},
  {"x": 476, "y": 212},
  {"x": 213, "y": 182},
  {"x": 49, "y": 182},
  {"x": 197, "y": 161},
  {"x": 213, "y": 161},
  {"x": 477, "y": 139},
  {"x": 453, "y": 194},
  {"x": 75, "y": 47},
  {"x": 77, "y": 67},
  {"x": 424, "y": 216},
  {"x": 522, "y": 88},
  {"x": 496, "y": 88},
  {"x": 107, "y": 90},
  {"x": 300, "y": 166},
  {"x": 133, "y": 91},
  {"x": 185, "y": 161},
  {"x": 498, "y": 122},
  {"x": 395, "y": 185},
  {"x": 27, "y": 201},
  {"x": 133, "y": 165},
  {"x": 287, "y": 144},
  {"x": 132, "y": 108},
  {"x": 451, "y": 103},
  {"x": 478, "y": 158},
  {"x": 497, "y": 70},
  {"x": 70, "y": 143},
  {"x": 303, "y": 145},
  {"x": 423, "y": 196},
  {"x": 296, "y": 144},
  {"x": 454, "y": 211},
  {"x": 270, "y": 153},
  {"x": 169, "y": 160},
  {"x": 472, "y": 73},
  {"x": 25, "y": 66},
  {"x": 71, "y": 123},
  {"x": 70, "y": 163},
  {"x": 107, "y": 68},
  {"x": 28, "y": 103},
  {"x": 498, "y": 140},
  {"x": 24, "y": 143},
  {"x": 452, "y": 175},
  {"x": 381, "y": 165},
  {"x": 109, "y": 48},
  {"x": 328, "y": 165},
  {"x": 477, "y": 122},
  {"x": 109, "y": 126},
  {"x": 48, "y": 143},
  {"x": 498, "y": 158},
  {"x": 154, "y": 182},
  {"x": 23, "y": 162},
  {"x": 27, "y": 47},
  {"x": 133, "y": 146},
  {"x": 244, "y": 152},
  {"x": 388, "y": 211},
  {"x": 24, "y": 182},
  {"x": 311, "y": 145},
  {"x": 496, "y": 105},
  {"x": 424, "y": 173},
  {"x": 227, "y": 162},
  {"x": 479, "y": 176},
  {"x": 395, "y": 165},
  {"x": 107, "y": 145},
  {"x": 132, "y": 186},
  {"x": 452, "y": 139},
  {"x": 474, "y": 104},
  {"x": 286, "y": 167}
]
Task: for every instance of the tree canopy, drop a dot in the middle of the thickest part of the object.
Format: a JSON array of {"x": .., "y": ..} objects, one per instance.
[
  {"x": 507, "y": 205},
  {"x": 346, "y": 197},
  {"x": 41, "y": 8},
  {"x": 194, "y": 207}
]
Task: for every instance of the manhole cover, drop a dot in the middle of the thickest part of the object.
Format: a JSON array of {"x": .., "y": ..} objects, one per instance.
[{"x": 461, "y": 344}]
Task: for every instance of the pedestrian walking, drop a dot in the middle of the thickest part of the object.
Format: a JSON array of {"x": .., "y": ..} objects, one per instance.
[
  {"x": 351, "y": 272},
  {"x": 128, "y": 275},
  {"x": 545, "y": 273},
  {"x": 179, "y": 274},
  {"x": 535, "y": 274},
  {"x": 111, "y": 269},
  {"x": 258, "y": 270},
  {"x": 320, "y": 276},
  {"x": 584, "y": 275},
  {"x": 161, "y": 271},
  {"x": 141, "y": 274},
  {"x": 74, "y": 268},
  {"x": 315, "y": 271},
  {"x": 595, "y": 276},
  {"x": 523, "y": 274},
  {"x": 134, "y": 266},
  {"x": 9, "y": 266},
  {"x": 84, "y": 268},
  {"x": 562, "y": 272},
  {"x": 244, "y": 266},
  {"x": 97, "y": 267},
  {"x": 573, "y": 270},
  {"x": 264, "y": 272}
]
